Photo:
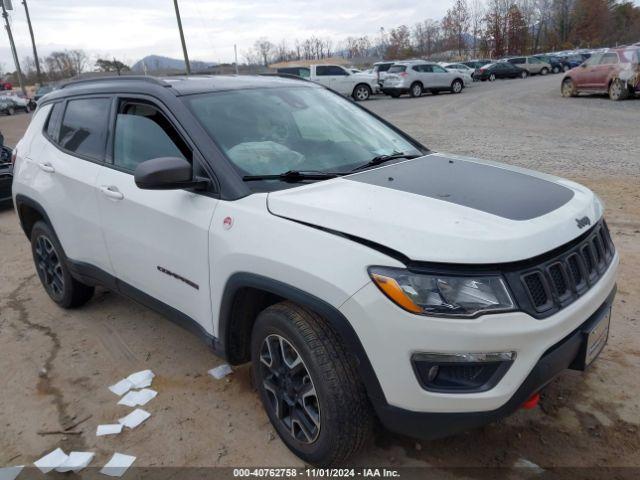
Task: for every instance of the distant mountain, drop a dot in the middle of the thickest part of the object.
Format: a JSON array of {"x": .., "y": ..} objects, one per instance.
[{"x": 158, "y": 62}]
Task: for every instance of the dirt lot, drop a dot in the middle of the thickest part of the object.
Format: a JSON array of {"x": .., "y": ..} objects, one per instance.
[{"x": 57, "y": 364}]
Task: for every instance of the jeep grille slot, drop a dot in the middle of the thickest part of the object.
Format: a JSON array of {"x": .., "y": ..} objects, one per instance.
[{"x": 559, "y": 278}]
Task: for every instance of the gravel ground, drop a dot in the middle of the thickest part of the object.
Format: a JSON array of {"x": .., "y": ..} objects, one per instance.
[{"x": 56, "y": 364}]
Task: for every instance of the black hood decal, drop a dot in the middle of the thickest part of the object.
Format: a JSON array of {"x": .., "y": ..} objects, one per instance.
[{"x": 490, "y": 189}]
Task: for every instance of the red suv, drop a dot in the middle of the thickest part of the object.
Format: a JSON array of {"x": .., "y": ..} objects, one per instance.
[{"x": 614, "y": 71}]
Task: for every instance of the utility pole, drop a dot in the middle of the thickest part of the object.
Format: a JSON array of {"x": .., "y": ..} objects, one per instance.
[
  {"x": 5, "y": 15},
  {"x": 33, "y": 42},
  {"x": 187, "y": 65},
  {"x": 235, "y": 53}
]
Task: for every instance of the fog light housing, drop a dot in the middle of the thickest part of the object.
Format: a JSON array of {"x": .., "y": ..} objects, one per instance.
[{"x": 461, "y": 372}]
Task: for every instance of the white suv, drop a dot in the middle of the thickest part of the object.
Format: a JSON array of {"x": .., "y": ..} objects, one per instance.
[
  {"x": 416, "y": 77},
  {"x": 362, "y": 275}
]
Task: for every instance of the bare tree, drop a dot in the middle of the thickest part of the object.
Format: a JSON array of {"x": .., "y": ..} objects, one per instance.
[
  {"x": 477, "y": 13},
  {"x": 264, "y": 48}
]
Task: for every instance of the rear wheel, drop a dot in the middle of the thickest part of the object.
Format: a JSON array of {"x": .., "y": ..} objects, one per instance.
[
  {"x": 568, "y": 88},
  {"x": 524, "y": 74},
  {"x": 544, "y": 71},
  {"x": 457, "y": 86},
  {"x": 492, "y": 77},
  {"x": 618, "y": 90},
  {"x": 11, "y": 111},
  {"x": 361, "y": 92},
  {"x": 416, "y": 89},
  {"x": 52, "y": 269},
  {"x": 309, "y": 385},
  {"x": 556, "y": 69}
]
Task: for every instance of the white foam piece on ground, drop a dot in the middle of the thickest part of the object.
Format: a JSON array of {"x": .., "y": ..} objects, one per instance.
[
  {"x": 76, "y": 461},
  {"x": 135, "y": 418},
  {"x": 10, "y": 473},
  {"x": 141, "y": 379},
  {"x": 220, "y": 371},
  {"x": 118, "y": 465},
  {"x": 122, "y": 387},
  {"x": 111, "y": 429},
  {"x": 51, "y": 460},
  {"x": 138, "y": 398}
]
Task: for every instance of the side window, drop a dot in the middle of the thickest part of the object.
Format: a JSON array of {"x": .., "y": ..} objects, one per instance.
[
  {"x": 322, "y": 71},
  {"x": 84, "y": 127},
  {"x": 438, "y": 69},
  {"x": 304, "y": 72},
  {"x": 143, "y": 133},
  {"x": 53, "y": 123},
  {"x": 609, "y": 59},
  {"x": 426, "y": 68}
]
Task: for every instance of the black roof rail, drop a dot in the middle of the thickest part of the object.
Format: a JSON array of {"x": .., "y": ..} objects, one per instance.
[
  {"x": 139, "y": 78},
  {"x": 283, "y": 75}
]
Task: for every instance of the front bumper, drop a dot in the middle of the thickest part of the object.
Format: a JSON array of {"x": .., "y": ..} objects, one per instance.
[
  {"x": 557, "y": 358},
  {"x": 391, "y": 336}
]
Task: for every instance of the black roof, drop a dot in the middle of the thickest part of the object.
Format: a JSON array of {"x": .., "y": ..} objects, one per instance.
[{"x": 178, "y": 85}]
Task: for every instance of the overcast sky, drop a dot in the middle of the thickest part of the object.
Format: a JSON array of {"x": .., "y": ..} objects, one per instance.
[{"x": 131, "y": 29}]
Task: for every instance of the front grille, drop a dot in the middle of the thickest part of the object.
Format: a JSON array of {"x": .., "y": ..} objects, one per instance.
[{"x": 554, "y": 281}]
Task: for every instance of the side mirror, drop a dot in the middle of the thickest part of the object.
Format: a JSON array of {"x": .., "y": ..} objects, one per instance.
[{"x": 167, "y": 173}]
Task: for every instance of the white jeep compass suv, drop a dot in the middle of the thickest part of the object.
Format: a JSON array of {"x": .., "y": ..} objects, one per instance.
[{"x": 363, "y": 275}]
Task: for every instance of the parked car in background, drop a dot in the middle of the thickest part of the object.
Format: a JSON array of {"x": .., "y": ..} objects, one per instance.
[
  {"x": 476, "y": 64},
  {"x": 6, "y": 86},
  {"x": 460, "y": 68},
  {"x": 494, "y": 71},
  {"x": 43, "y": 90},
  {"x": 417, "y": 77},
  {"x": 532, "y": 65},
  {"x": 6, "y": 172},
  {"x": 7, "y": 106},
  {"x": 556, "y": 64},
  {"x": 380, "y": 70},
  {"x": 360, "y": 86},
  {"x": 615, "y": 72},
  {"x": 573, "y": 60},
  {"x": 21, "y": 100}
]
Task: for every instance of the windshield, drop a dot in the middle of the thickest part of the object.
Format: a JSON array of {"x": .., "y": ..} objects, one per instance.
[{"x": 269, "y": 131}]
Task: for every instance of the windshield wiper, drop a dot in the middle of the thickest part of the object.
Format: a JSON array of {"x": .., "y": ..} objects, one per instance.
[
  {"x": 294, "y": 176},
  {"x": 384, "y": 158}
]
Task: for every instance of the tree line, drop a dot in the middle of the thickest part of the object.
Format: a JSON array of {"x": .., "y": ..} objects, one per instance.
[{"x": 491, "y": 28}]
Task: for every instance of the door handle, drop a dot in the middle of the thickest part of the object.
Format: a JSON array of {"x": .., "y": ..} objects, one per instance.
[
  {"x": 46, "y": 167},
  {"x": 111, "y": 192}
]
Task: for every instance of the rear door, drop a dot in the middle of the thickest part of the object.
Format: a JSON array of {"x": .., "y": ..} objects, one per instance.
[
  {"x": 334, "y": 77},
  {"x": 606, "y": 69},
  {"x": 68, "y": 164},
  {"x": 157, "y": 239}
]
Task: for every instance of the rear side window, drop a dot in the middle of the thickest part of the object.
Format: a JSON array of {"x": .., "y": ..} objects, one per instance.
[
  {"x": 143, "y": 133},
  {"x": 53, "y": 123},
  {"x": 329, "y": 70},
  {"x": 437, "y": 69},
  {"x": 609, "y": 59},
  {"x": 84, "y": 127},
  {"x": 398, "y": 69}
]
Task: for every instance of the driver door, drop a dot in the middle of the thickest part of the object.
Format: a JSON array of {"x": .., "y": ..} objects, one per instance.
[{"x": 157, "y": 240}]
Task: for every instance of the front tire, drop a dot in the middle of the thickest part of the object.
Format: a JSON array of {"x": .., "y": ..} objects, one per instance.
[
  {"x": 11, "y": 111},
  {"x": 361, "y": 92},
  {"x": 416, "y": 90},
  {"x": 309, "y": 385},
  {"x": 524, "y": 74},
  {"x": 544, "y": 71},
  {"x": 50, "y": 262},
  {"x": 569, "y": 88},
  {"x": 492, "y": 77},
  {"x": 457, "y": 86}
]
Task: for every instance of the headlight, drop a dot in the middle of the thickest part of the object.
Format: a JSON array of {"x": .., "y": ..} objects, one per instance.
[{"x": 443, "y": 295}]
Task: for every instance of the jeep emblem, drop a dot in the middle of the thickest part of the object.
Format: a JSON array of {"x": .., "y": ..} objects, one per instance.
[{"x": 583, "y": 222}]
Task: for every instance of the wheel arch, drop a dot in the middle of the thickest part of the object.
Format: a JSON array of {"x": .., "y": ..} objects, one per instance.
[
  {"x": 247, "y": 294},
  {"x": 29, "y": 212}
]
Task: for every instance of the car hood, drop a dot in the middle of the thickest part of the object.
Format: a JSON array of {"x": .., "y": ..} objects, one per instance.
[{"x": 446, "y": 208}]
